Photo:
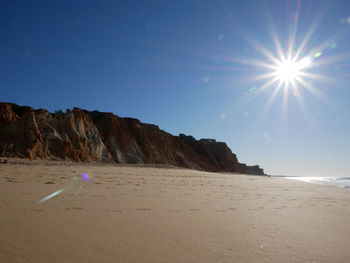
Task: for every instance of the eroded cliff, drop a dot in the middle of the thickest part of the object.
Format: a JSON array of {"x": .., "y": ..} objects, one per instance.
[{"x": 81, "y": 135}]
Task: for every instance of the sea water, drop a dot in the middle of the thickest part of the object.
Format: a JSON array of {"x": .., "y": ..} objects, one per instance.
[{"x": 343, "y": 182}]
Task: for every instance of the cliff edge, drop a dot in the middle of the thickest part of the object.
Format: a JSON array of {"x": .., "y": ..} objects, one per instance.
[{"x": 81, "y": 135}]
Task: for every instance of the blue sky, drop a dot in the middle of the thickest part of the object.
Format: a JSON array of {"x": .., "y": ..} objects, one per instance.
[{"x": 185, "y": 66}]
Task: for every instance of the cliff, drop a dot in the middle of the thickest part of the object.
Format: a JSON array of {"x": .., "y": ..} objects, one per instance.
[{"x": 81, "y": 135}]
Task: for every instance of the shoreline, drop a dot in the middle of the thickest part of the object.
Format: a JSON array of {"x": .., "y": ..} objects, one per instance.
[{"x": 340, "y": 182}]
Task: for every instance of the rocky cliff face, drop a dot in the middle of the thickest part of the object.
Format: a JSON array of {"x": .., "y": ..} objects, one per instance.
[{"x": 81, "y": 135}]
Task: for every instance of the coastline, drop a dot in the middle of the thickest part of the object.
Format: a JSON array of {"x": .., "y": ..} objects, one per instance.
[{"x": 341, "y": 182}]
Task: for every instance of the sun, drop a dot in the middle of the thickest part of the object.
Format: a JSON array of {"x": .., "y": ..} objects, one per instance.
[
  {"x": 290, "y": 71},
  {"x": 288, "y": 64}
]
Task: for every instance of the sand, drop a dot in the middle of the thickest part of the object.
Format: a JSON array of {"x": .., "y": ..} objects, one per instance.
[{"x": 146, "y": 214}]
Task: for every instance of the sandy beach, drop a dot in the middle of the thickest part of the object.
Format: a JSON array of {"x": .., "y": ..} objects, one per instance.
[{"x": 148, "y": 214}]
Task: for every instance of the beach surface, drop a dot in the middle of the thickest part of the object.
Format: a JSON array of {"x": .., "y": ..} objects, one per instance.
[{"x": 152, "y": 214}]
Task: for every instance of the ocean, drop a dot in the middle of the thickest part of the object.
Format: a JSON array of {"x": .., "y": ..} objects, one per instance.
[{"x": 343, "y": 182}]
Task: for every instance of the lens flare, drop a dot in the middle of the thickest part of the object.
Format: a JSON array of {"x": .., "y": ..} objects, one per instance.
[
  {"x": 84, "y": 177},
  {"x": 50, "y": 196}
]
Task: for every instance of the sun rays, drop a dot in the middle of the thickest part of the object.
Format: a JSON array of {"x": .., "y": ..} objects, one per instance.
[{"x": 292, "y": 65}]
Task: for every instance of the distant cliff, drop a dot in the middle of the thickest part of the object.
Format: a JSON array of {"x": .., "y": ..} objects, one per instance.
[{"x": 81, "y": 135}]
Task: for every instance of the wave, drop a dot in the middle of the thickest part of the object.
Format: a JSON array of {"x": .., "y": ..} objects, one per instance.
[
  {"x": 344, "y": 178},
  {"x": 343, "y": 182}
]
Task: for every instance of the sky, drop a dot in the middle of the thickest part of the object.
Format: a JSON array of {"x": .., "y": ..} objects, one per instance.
[{"x": 211, "y": 69}]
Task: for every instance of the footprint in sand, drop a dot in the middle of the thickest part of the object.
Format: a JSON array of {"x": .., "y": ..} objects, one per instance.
[
  {"x": 117, "y": 211},
  {"x": 193, "y": 210},
  {"x": 281, "y": 207},
  {"x": 143, "y": 209}
]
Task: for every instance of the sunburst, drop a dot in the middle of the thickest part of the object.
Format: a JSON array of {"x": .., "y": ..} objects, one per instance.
[
  {"x": 294, "y": 66},
  {"x": 290, "y": 64},
  {"x": 285, "y": 69}
]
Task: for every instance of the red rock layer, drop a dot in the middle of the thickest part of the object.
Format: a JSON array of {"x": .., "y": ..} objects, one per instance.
[{"x": 80, "y": 135}]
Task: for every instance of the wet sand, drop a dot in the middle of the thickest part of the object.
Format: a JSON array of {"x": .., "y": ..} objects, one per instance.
[{"x": 146, "y": 214}]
